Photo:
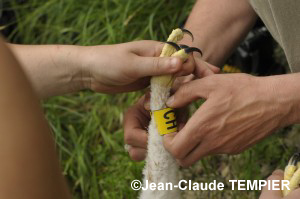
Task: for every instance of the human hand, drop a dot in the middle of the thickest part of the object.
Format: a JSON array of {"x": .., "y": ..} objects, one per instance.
[
  {"x": 277, "y": 194},
  {"x": 129, "y": 66},
  {"x": 137, "y": 117},
  {"x": 239, "y": 111},
  {"x": 136, "y": 122},
  {"x": 202, "y": 67}
]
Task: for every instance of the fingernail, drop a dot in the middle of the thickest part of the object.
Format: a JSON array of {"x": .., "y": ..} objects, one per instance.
[{"x": 170, "y": 101}]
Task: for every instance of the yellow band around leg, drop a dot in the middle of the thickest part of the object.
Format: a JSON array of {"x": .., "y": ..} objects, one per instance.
[{"x": 165, "y": 120}]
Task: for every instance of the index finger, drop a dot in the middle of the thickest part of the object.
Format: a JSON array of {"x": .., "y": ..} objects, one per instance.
[
  {"x": 204, "y": 69},
  {"x": 182, "y": 143}
]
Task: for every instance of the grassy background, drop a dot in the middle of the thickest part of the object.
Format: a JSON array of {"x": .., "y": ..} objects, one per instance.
[{"x": 88, "y": 126}]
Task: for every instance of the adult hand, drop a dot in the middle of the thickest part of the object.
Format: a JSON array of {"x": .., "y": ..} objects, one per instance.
[
  {"x": 136, "y": 122},
  {"x": 239, "y": 111},
  {"x": 129, "y": 66},
  {"x": 137, "y": 118},
  {"x": 277, "y": 194}
]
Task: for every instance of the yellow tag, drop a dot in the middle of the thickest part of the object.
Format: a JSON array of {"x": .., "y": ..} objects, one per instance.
[{"x": 165, "y": 120}]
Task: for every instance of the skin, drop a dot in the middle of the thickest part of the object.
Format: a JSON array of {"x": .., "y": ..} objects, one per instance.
[
  {"x": 60, "y": 69},
  {"x": 29, "y": 166},
  {"x": 218, "y": 28},
  {"x": 55, "y": 70},
  {"x": 140, "y": 112},
  {"x": 26, "y": 173},
  {"x": 234, "y": 116},
  {"x": 240, "y": 109},
  {"x": 277, "y": 194},
  {"x": 216, "y": 38}
]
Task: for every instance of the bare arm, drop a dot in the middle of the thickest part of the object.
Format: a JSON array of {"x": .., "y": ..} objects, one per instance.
[
  {"x": 60, "y": 69},
  {"x": 219, "y": 26},
  {"x": 29, "y": 168},
  {"x": 52, "y": 69}
]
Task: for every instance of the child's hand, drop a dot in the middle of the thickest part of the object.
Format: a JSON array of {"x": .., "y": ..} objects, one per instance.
[{"x": 129, "y": 66}]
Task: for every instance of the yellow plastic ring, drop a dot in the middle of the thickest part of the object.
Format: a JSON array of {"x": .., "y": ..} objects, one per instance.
[{"x": 165, "y": 120}]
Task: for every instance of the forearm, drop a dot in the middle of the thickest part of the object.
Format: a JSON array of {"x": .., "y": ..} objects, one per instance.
[
  {"x": 52, "y": 69},
  {"x": 219, "y": 26}
]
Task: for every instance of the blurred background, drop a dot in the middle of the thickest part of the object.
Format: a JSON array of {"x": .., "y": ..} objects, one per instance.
[{"x": 87, "y": 126}]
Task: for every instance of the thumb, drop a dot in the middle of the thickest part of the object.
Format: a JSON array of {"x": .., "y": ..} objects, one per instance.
[
  {"x": 189, "y": 92},
  {"x": 272, "y": 194},
  {"x": 154, "y": 66}
]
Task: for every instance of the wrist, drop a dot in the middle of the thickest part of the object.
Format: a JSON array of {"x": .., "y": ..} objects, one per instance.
[
  {"x": 83, "y": 74},
  {"x": 285, "y": 90},
  {"x": 292, "y": 85},
  {"x": 218, "y": 27},
  {"x": 71, "y": 57},
  {"x": 94, "y": 66},
  {"x": 211, "y": 45}
]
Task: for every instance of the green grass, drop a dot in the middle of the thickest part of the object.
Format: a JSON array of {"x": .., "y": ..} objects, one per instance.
[{"x": 88, "y": 126}]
